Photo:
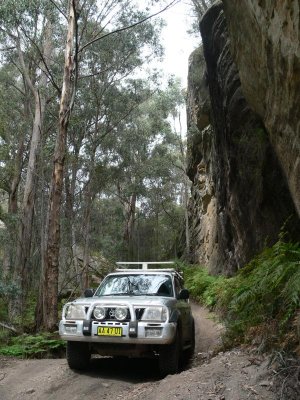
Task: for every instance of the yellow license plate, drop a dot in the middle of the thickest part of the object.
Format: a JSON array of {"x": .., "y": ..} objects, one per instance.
[{"x": 109, "y": 331}]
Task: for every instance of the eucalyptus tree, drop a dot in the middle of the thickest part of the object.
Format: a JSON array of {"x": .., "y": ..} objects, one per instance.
[
  {"x": 105, "y": 42},
  {"x": 113, "y": 17},
  {"x": 106, "y": 104},
  {"x": 26, "y": 30},
  {"x": 14, "y": 121},
  {"x": 128, "y": 191},
  {"x": 144, "y": 150}
]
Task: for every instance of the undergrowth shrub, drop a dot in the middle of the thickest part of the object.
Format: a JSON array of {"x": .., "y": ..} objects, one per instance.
[
  {"x": 33, "y": 346},
  {"x": 261, "y": 300},
  {"x": 7, "y": 291}
]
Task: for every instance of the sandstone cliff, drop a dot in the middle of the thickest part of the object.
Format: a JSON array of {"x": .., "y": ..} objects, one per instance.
[
  {"x": 267, "y": 53},
  {"x": 241, "y": 193}
]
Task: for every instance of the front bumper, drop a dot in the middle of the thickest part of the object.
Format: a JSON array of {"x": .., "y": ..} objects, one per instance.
[{"x": 166, "y": 331}]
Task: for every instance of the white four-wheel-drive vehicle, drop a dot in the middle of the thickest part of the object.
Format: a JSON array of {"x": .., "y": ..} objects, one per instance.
[{"x": 135, "y": 313}]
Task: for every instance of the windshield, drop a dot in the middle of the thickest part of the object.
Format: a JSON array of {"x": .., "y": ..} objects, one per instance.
[{"x": 136, "y": 285}]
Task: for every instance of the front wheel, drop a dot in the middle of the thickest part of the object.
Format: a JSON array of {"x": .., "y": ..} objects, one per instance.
[
  {"x": 169, "y": 357},
  {"x": 190, "y": 351},
  {"x": 78, "y": 355}
]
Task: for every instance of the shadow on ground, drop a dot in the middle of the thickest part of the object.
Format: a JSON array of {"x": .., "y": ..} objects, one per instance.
[
  {"x": 133, "y": 370},
  {"x": 124, "y": 369}
]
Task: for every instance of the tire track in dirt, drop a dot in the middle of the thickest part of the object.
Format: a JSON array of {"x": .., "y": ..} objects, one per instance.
[{"x": 135, "y": 379}]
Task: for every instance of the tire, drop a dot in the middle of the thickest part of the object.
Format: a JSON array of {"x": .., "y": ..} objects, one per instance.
[
  {"x": 78, "y": 355},
  {"x": 188, "y": 354},
  {"x": 169, "y": 357}
]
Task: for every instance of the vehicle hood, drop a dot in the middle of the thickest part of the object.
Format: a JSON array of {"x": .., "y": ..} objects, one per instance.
[{"x": 126, "y": 300}]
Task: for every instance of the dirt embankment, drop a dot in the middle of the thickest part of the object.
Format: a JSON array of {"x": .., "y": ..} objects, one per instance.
[{"x": 232, "y": 375}]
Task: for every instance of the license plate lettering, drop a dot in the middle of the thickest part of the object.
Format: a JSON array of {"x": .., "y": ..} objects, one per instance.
[{"x": 109, "y": 331}]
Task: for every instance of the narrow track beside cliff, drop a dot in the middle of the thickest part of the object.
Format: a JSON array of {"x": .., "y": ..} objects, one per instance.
[{"x": 107, "y": 378}]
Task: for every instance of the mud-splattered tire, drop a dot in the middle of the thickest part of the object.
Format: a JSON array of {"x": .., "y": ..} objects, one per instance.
[
  {"x": 188, "y": 354},
  {"x": 78, "y": 355},
  {"x": 169, "y": 357}
]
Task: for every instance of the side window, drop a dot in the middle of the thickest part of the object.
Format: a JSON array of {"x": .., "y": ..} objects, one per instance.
[{"x": 177, "y": 287}]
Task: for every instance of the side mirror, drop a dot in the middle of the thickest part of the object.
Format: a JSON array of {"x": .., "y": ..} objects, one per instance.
[
  {"x": 88, "y": 293},
  {"x": 184, "y": 294}
]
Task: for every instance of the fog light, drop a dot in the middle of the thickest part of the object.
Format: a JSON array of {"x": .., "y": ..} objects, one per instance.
[
  {"x": 153, "y": 332},
  {"x": 71, "y": 330},
  {"x": 99, "y": 312},
  {"x": 121, "y": 313}
]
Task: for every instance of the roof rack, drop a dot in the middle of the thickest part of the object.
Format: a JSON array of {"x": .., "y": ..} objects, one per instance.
[
  {"x": 145, "y": 270},
  {"x": 144, "y": 264}
]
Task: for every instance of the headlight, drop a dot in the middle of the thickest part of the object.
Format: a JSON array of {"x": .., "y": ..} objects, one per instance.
[
  {"x": 121, "y": 313},
  {"x": 75, "y": 311},
  {"x": 99, "y": 312},
  {"x": 155, "y": 314}
]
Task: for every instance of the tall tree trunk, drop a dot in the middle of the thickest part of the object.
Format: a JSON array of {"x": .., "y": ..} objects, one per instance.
[
  {"x": 25, "y": 230},
  {"x": 51, "y": 257},
  {"x": 88, "y": 203},
  {"x": 130, "y": 207},
  {"x": 13, "y": 207},
  {"x": 87, "y": 232},
  {"x": 21, "y": 272},
  {"x": 70, "y": 185}
]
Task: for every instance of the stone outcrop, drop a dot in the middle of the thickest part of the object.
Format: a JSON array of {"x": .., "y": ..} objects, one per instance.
[
  {"x": 265, "y": 43},
  {"x": 202, "y": 207},
  {"x": 240, "y": 195}
]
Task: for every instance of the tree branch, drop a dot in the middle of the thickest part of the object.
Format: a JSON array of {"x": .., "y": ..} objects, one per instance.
[
  {"x": 8, "y": 48},
  {"x": 173, "y": 2},
  {"x": 167, "y": 212},
  {"x": 49, "y": 74},
  {"x": 179, "y": 167},
  {"x": 59, "y": 9},
  {"x": 24, "y": 69},
  {"x": 19, "y": 90},
  {"x": 11, "y": 328}
]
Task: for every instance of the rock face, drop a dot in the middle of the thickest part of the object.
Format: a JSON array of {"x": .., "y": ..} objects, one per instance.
[
  {"x": 202, "y": 207},
  {"x": 240, "y": 196},
  {"x": 267, "y": 52}
]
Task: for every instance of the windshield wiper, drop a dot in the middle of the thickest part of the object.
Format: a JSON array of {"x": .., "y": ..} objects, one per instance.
[{"x": 121, "y": 294}]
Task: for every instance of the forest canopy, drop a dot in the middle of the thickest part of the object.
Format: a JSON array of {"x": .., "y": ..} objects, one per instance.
[{"x": 92, "y": 159}]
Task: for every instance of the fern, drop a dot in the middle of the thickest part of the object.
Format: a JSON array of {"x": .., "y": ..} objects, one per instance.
[
  {"x": 265, "y": 293},
  {"x": 29, "y": 346}
]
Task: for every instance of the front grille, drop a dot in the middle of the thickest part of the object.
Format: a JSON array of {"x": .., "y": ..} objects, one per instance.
[{"x": 139, "y": 313}]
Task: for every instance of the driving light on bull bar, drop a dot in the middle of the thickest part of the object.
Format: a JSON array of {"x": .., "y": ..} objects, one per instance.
[
  {"x": 99, "y": 312},
  {"x": 75, "y": 311},
  {"x": 155, "y": 314},
  {"x": 121, "y": 313}
]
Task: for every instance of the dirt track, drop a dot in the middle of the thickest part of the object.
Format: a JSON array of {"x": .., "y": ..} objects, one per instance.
[{"x": 228, "y": 376}]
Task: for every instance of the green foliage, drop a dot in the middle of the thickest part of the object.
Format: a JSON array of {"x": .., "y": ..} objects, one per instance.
[
  {"x": 262, "y": 299},
  {"x": 3, "y": 310},
  {"x": 28, "y": 316},
  {"x": 204, "y": 287},
  {"x": 8, "y": 290},
  {"x": 28, "y": 346},
  {"x": 116, "y": 138}
]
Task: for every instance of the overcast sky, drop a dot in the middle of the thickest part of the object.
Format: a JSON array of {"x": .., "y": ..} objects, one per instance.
[{"x": 178, "y": 44}]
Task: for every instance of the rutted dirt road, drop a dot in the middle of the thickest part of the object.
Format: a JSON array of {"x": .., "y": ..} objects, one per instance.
[{"x": 230, "y": 376}]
